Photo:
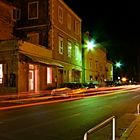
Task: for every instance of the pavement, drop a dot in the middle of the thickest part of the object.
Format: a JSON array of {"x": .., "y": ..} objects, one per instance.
[{"x": 133, "y": 131}]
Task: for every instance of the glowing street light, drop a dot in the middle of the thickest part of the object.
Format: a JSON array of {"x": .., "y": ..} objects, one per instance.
[
  {"x": 91, "y": 44},
  {"x": 118, "y": 64},
  {"x": 124, "y": 79}
]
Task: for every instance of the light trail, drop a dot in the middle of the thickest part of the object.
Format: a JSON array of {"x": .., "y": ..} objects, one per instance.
[{"x": 56, "y": 100}]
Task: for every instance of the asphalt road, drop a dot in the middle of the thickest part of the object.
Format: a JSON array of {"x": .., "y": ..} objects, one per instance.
[{"x": 67, "y": 120}]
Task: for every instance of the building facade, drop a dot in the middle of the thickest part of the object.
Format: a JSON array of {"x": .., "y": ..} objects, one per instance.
[
  {"x": 47, "y": 51},
  {"x": 6, "y": 20},
  {"x": 94, "y": 62},
  {"x": 66, "y": 42},
  {"x": 109, "y": 71}
]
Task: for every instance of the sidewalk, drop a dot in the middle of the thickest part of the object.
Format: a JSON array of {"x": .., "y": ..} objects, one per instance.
[{"x": 133, "y": 131}]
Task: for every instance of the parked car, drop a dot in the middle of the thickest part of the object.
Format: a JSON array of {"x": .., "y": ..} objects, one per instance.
[
  {"x": 91, "y": 85},
  {"x": 72, "y": 85}
]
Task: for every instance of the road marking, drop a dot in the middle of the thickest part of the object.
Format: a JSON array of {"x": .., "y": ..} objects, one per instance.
[
  {"x": 135, "y": 96},
  {"x": 74, "y": 115}
]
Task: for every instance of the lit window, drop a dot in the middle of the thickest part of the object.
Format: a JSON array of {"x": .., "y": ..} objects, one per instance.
[
  {"x": 69, "y": 22},
  {"x": 33, "y": 10},
  {"x": 69, "y": 48},
  {"x": 77, "y": 53},
  {"x": 1, "y": 73},
  {"x": 60, "y": 14},
  {"x": 31, "y": 66},
  {"x": 49, "y": 75},
  {"x": 60, "y": 45}
]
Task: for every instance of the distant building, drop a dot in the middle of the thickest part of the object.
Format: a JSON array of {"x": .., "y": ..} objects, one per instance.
[
  {"x": 94, "y": 62},
  {"x": 109, "y": 71}
]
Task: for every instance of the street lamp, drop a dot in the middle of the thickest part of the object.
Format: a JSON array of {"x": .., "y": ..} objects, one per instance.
[
  {"x": 118, "y": 64},
  {"x": 91, "y": 44}
]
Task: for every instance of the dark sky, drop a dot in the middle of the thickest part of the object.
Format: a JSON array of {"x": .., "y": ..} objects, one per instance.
[{"x": 114, "y": 24}]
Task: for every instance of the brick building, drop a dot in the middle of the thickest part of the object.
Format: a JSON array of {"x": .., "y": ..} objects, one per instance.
[{"x": 47, "y": 51}]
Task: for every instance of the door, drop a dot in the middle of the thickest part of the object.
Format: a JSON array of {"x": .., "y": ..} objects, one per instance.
[{"x": 31, "y": 80}]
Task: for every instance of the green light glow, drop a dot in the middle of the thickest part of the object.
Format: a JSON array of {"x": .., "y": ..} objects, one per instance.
[
  {"x": 90, "y": 45},
  {"x": 118, "y": 64}
]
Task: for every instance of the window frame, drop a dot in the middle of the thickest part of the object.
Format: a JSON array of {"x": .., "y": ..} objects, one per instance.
[
  {"x": 69, "y": 21},
  {"x": 69, "y": 43},
  {"x": 37, "y": 8},
  {"x": 16, "y": 15},
  {"x": 60, "y": 14},
  {"x": 76, "y": 27},
  {"x": 61, "y": 44}
]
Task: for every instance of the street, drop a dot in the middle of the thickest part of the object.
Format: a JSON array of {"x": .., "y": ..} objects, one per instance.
[{"x": 66, "y": 120}]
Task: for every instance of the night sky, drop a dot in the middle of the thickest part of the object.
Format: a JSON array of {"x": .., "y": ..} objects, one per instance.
[{"x": 114, "y": 24}]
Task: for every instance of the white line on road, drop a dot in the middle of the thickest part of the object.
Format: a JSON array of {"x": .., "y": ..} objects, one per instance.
[{"x": 135, "y": 96}]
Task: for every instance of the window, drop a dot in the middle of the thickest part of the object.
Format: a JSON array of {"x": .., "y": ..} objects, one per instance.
[
  {"x": 69, "y": 21},
  {"x": 33, "y": 10},
  {"x": 31, "y": 66},
  {"x": 16, "y": 14},
  {"x": 60, "y": 45},
  {"x": 1, "y": 73},
  {"x": 76, "y": 27},
  {"x": 69, "y": 48},
  {"x": 33, "y": 38},
  {"x": 60, "y": 14},
  {"x": 49, "y": 75},
  {"x": 31, "y": 77},
  {"x": 91, "y": 77},
  {"x": 90, "y": 63},
  {"x": 77, "y": 53}
]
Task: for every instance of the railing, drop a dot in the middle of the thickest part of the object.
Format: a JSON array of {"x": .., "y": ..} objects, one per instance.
[
  {"x": 138, "y": 108},
  {"x": 100, "y": 125}
]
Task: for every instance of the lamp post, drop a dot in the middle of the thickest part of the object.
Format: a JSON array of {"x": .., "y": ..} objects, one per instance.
[
  {"x": 87, "y": 46},
  {"x": 118, "y": 66}
]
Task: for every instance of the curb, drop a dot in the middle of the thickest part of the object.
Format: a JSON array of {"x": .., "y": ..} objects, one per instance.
[{"x": 129, "y": 130}]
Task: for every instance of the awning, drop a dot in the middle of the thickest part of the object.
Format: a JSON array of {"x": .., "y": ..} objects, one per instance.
[
  {"x": 42, "y": 60},
  {"x": 77, "y": 68}
]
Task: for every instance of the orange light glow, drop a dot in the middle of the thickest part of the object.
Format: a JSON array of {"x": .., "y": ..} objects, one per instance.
[
  {"x": 49, "y": 75},
  {"x": 1, "y": 73}
]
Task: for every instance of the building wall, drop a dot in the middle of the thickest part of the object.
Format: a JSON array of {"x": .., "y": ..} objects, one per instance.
[
  {"x": 23, "y": 76},
  {"x": 9, "y": 61},
  {"x": 60, "y": 29},
  {"x": 42, "y": 13},
  {"x": 49, "y": 28},
  {"x": 27, "y": 26},
  {"x": 109, "y": 71},
  {"x": 95, "y": 64},
  {"x": 6, "y": 20}
]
